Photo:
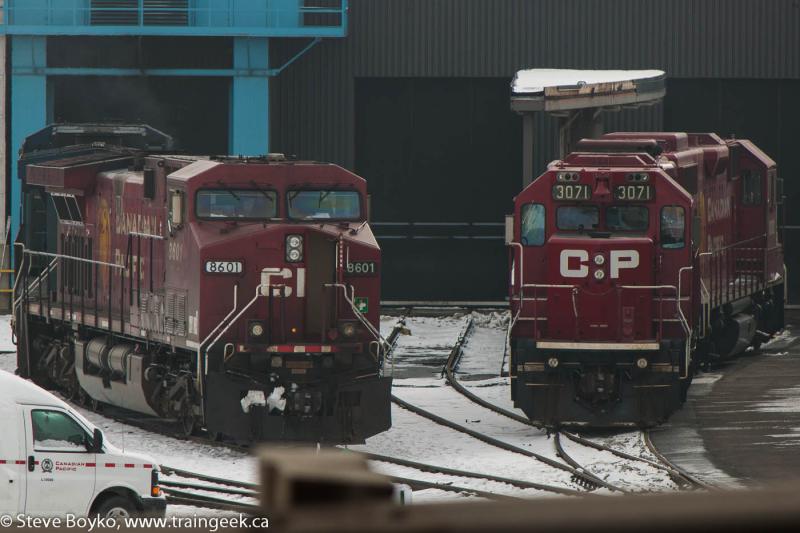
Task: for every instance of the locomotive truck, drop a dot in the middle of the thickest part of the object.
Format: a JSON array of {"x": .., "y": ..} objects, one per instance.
[
  {"x": 634, "y": 260},
  {"x": 236, "y": 294}
]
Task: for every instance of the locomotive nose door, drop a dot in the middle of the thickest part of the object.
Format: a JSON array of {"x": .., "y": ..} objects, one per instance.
[
  {"x": 321, "y": 270},
  {"x": 607, "y": 298}
]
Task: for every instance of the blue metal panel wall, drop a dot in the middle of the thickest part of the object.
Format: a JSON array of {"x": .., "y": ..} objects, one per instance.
[
  {"x": 249, "y": 128},
  {"x": 29, "y": 107}
]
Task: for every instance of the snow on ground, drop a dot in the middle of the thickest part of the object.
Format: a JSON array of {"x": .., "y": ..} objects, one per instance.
[
  {"x": 416, "y": 438},
  {"x": 466, "y": 482},
  {"x": 784, "y": 401},
  {"x": 422, "y": 354},
  {"x": 5, "y": 335},
  {"x": 482, "y": 356},
  {"x": 782, "y": 340}
]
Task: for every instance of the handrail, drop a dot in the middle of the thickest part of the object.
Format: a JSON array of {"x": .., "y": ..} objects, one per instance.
[
  {"x": 361, "y": 318},
  {"x": 681, "y": 316},
  {"x": 38, "y": 281},
  {"x": 237, "y": 317}
]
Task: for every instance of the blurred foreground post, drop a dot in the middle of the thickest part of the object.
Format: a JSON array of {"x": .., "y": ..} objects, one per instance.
[{"x": 332, "y": 491}]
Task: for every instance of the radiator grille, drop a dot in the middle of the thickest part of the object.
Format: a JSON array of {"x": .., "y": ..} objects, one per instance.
[
  {"x": 175, "y": 316},
  {"x": 126, "y": 12}
]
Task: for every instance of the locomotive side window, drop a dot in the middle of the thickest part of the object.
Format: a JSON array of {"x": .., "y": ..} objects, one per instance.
[
  {"x": 627, "y": 218},
  {"x": 67, "y": 208},
  {"x": 751, "y": 188},
  {"x": 577, "y": 217},
  {"x": 236, "y": 204},
  {"x": 532, "y": 224},
  {"x": 333, "y": 205},
  {"x": 673, "y": 226}
]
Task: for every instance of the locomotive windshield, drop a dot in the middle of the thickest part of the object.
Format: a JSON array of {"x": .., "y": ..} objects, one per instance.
[
  {"x": 236, "y": 204},
  {"x": 617, "y": 218},
  {"x": 324, "y": 204},
  {"x": 578, "y": 217},
  {"x": 627, "y": 218}
]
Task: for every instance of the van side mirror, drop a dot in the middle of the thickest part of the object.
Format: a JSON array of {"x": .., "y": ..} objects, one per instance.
[
  {"x": 97, "y": 441},
  {"x": 509, "y": 229}
]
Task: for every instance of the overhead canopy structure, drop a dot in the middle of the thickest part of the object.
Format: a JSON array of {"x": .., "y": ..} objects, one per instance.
[{"x": 577, "y": 98}]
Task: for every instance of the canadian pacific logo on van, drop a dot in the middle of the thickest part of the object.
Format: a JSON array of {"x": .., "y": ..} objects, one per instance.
[{"x": 575, "y": 263}]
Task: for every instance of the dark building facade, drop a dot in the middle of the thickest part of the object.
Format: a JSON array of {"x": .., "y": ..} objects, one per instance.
[{"x": 416, "y": 99}]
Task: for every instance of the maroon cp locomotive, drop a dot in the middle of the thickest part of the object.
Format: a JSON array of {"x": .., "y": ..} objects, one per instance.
[
  {"x": 237, "y": 294},
  {"x": 635, "y": 259}
]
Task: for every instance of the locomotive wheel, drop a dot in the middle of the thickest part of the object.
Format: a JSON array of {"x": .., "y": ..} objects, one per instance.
[
  {"x": 82, "y": 397},
  {"x": 72, "y": 389},
  {"x": 187, "y": 421}
]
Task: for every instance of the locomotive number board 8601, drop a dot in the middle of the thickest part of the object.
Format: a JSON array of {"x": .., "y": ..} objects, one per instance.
[
  {"x": 224, "y": 267},
  {"x": 571, "y": 191},
  {"x": 633, "y": 193}
]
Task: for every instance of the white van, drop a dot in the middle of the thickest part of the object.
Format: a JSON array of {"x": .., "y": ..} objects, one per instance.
[{"x": 54, "y": 462}]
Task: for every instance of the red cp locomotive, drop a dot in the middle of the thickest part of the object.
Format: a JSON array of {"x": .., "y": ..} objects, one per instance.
[
  {"x": 240, "y": 294},
  {"x": 634, "y": 259}
]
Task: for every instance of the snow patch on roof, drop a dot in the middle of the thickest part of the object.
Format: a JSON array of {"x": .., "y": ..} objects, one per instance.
[{"x": 537, "y": 79}]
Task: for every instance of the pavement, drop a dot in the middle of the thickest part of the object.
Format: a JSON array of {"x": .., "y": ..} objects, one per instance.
[{"x": 740, "y": 426}]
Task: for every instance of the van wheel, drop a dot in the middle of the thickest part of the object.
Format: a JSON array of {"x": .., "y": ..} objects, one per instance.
[{"x": 117, "y": 507}]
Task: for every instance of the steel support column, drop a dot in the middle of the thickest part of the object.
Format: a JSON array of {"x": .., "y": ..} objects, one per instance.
[
  {"x": 30, "y": 107},
  {"x": 249, "y": 115}
]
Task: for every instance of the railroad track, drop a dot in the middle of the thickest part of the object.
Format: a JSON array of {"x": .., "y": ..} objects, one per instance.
[
  {"x": 688, "y": 479},
  {"x": 583, "y": 479},
  {"x": 211, "y": 492},
  {"x": 679, "y": 477}
]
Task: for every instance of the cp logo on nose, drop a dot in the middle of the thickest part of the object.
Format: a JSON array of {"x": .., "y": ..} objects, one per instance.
[{"x": 575, "y": 263}]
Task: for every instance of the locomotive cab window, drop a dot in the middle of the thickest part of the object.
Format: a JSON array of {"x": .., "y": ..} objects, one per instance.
[
  {"x": 673, "y": 227},
  {"x": 67, "y": 208},
  {"x": 578, "y": 217},
  {"x": 324, "y": 205},
  {"x": 236, "y": 204},
  {"x": 751, "y": 188},
  {"x": 627, "y": 218},
  {"x": 532, "y": 224}
]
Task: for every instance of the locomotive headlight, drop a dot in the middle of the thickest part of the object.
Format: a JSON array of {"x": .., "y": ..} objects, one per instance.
[
  {"x": 599, "y": 260},
  {"x": 599, "y": 274},
  {"x": 552, "y": 362},
  {"x": 294, "y": 241},
  {"x": 348, "y": 329},
  {"x": 294, "y": 248},
  {"x": 641, "y": 363},
  {"x": 276, "y": 361}
]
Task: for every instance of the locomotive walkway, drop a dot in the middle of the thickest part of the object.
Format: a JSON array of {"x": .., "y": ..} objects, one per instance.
[{"x": 741, "y": 424}]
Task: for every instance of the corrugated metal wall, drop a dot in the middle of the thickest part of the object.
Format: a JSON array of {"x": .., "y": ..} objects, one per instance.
[
  {"x": 314, "y": 104},
  {"x": 313, "y": 107}
]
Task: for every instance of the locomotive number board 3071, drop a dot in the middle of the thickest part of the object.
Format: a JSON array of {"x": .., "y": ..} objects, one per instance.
[
  {"x": 633, "y": 193},
  {"x": 571, "y": 191}
]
